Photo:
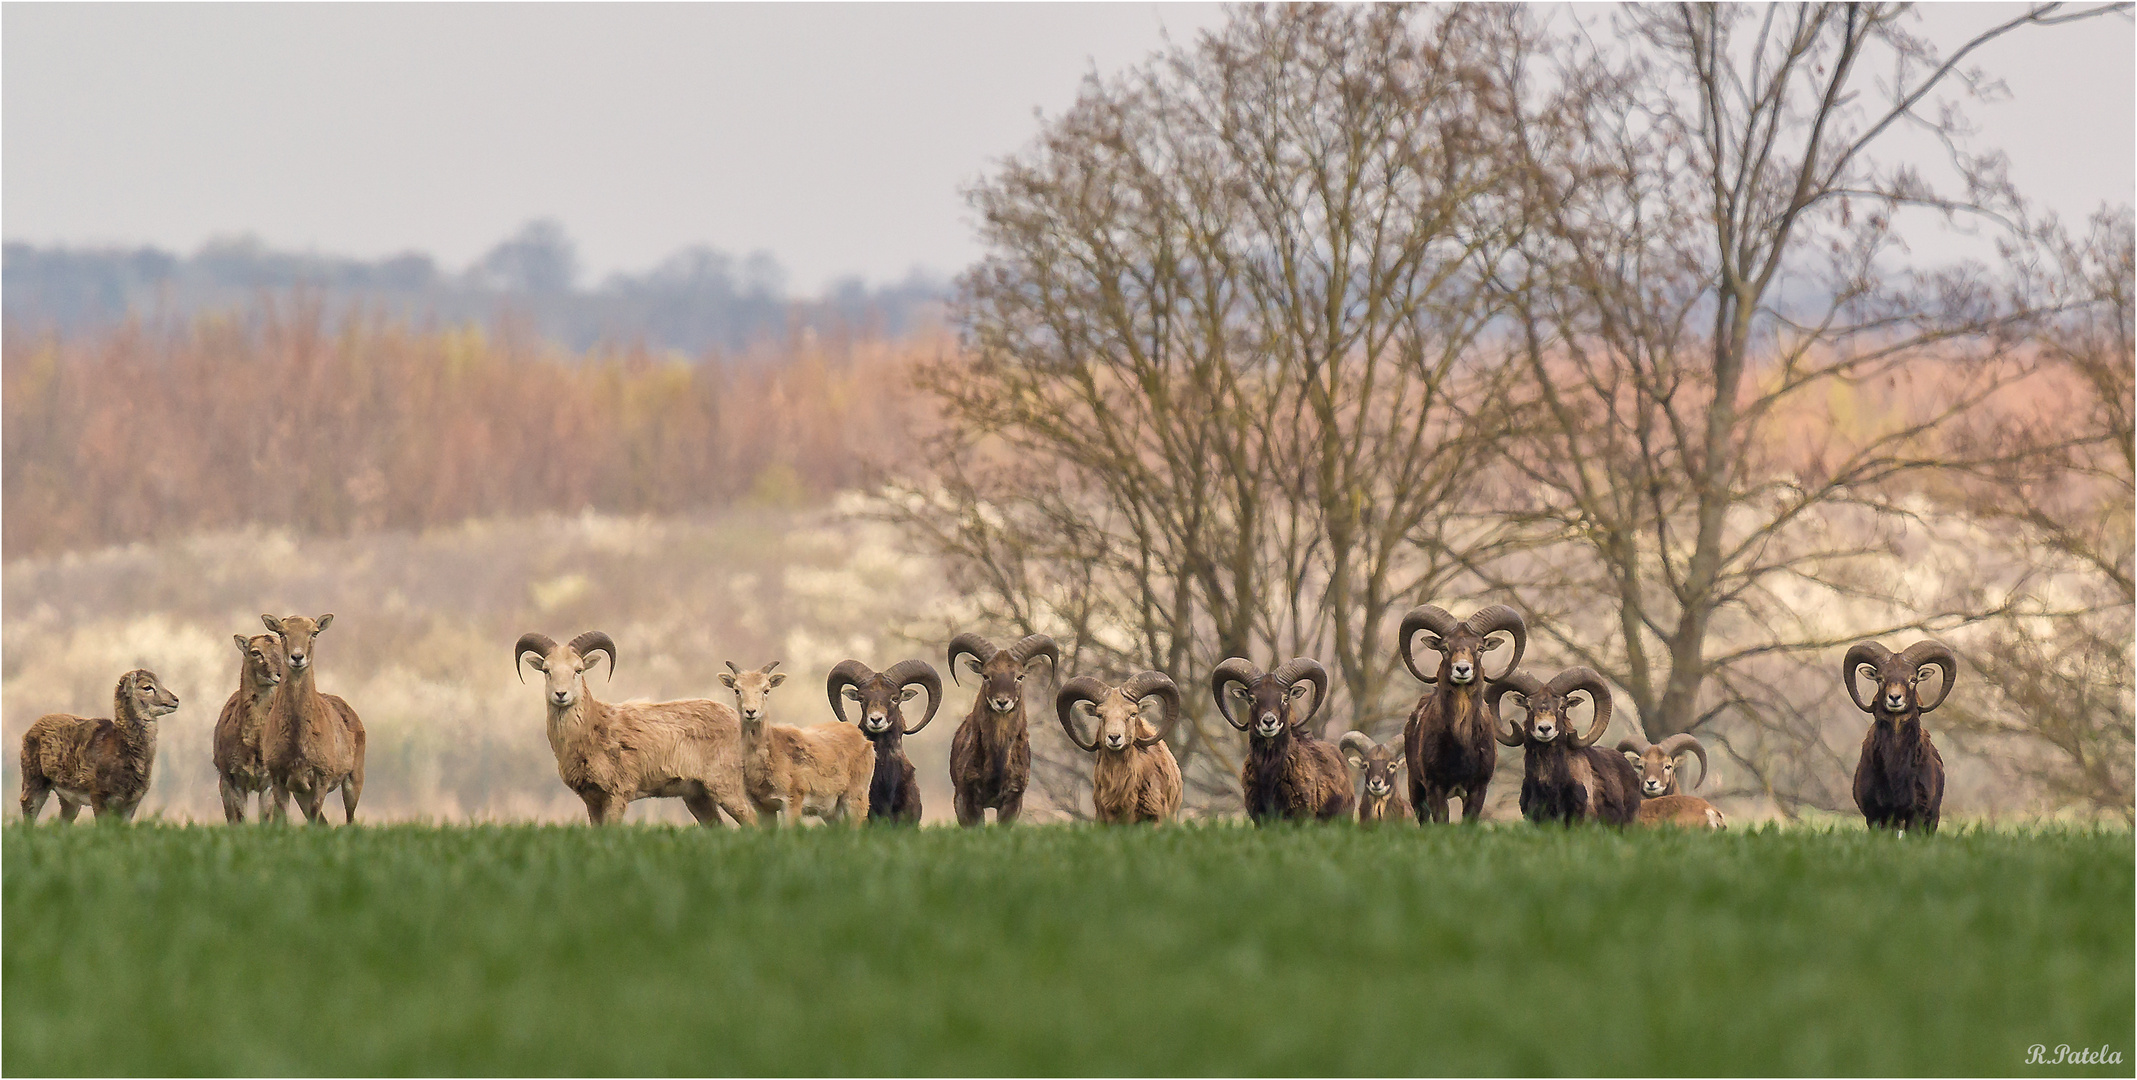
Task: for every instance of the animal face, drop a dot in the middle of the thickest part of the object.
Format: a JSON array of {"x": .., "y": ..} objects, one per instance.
[
  {"x": 1001, "y": 680},
  {"x": 1120, "y": 721},
  {"x": 753, "y": 690},
  {"x": 1270, "y": 704},
  {"x": 1462, "y": 653},
  {"x": 150, "y": 698},
  {"x": 1378, "y": 763},
  {"x": 1897, "y": 680},
  {"x": 297, "y": 634},
  {"x": 1658, "y": 772},
  {"x": 264, "y": 664},
  {"x": 880, "y": 703}
]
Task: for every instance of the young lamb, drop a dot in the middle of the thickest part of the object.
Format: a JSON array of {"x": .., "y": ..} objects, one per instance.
[
  {"x": 822, "y": 770},
  {"x": 313, "y": 742},
  {"x": 241, "y": 730},
  {"x": 893, "y": 793},
  {"x": 1135, "y": 778},
  {"x": 613, "y": 755},
  {"x": 103, "y": 763},
  {"x": 1378, "y": 762},
  {"x": 1289, "y": 774},
  {"x": 990, "y": 755}
]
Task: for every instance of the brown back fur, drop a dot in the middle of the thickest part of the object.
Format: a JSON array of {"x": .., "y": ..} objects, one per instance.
[
  {"x": 102, "y": 763},
  {"x": 1688, "y": 811},
  {"x": 822, "y": 770},
  {"x": 613, "y": 755}
]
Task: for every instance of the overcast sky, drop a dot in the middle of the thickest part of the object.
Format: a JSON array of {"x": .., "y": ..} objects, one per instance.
[{"x": 835, "y": 136}]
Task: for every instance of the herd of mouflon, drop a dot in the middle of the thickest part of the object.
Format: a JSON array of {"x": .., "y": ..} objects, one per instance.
[{"x": 279, "y": 736}]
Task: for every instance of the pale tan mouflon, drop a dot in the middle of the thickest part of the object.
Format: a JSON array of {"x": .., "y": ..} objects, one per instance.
[
  {"x": 94, "y": 762},
  {"x": 613, "y": 755},
  {"x": 313, "y": 742},
  {"x": 1660, "y": 801},
  {"x": 241, "y": 730},
  {"x": 1134, "y": 778},
  {"x": 822, "y": 770}
]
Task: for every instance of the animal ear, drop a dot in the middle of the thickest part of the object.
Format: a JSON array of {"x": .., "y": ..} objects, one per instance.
[
  {"x": 243, "y": 645},
  {"x": 909, "y": 693},
  {"x": 323, "y": 622},
  {"x": 1491, "y": 643},
  {"x": 274, "y": 625},
  {"x": 727, "y": 680},
  {"x": 1354, "y": 760},
  {"x": 779, "y": 678}
]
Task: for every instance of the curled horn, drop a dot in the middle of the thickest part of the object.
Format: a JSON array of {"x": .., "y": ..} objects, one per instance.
[
  {"x": 1300, "y": 667},
  {"x": 594, "y": 641},
  {"x": 1516, "y": 682},
  {"x": 977, "y": 647},
  {"x": 1237, "y": 669},
  {"x": 1035, "y": 646},
  {"x": 905, "y": 673},
  {"x": 1926, "y": 652},
  {"x": 1580, "y": 678},
  {"x": 1429, "y": 618},
  {"x": 1356, "y": 742},
  {"x": 1494, "y": 619},
  {"x": 848, "y": 673},
  {"x": 1157, "y": 684},
  {"x": 1081, "y": 688},
  {"x": 1682, "y": 743},
  {"x": 1860, "y": 653},
  {"x": 538, "y": 644},
  {"x": 1635, "y": 743}
]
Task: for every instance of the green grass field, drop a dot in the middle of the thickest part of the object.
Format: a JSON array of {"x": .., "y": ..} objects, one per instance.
[{"x": 654, "y": 950}]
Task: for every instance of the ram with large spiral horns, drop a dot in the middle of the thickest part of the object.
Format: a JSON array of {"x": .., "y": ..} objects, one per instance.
[
  {"x": 1899, "y": 780},
  {"x": 1565, "y": 777},
  {"x": 612, "y": 755},
  {"x": 1289, "y": 773},
  {"x": 990, "y": 755},
  {"x": 1448, "y": 742},
  {"x": 1135, "y": 778},
  {"x": 893, "y": 794}
]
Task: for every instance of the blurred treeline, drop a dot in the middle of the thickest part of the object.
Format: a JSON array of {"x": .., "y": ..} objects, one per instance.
[
  {"x": 285, "y": 416},
  {"x": 695, "y": 300}
]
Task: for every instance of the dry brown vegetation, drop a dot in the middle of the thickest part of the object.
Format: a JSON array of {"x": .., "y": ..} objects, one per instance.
[{"x": 281, "y": 419}]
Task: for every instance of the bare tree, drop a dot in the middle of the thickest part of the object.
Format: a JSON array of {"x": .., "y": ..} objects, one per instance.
[
  {"x": 1221, "y": 396},
  {"x": 2062, "y": 688},
  {"x": 1739, "y": 396}
]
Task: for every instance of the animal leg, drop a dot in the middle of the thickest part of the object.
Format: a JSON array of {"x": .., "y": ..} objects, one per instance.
[
  {"x": 968, "y": 815},
  {"x": 596, "y": 806},
  {"x": 351, "y": 790},
  {"x": 1435, "y": 806},
  {"x": 34, "y": 794},
  {"x": 1012, "y": 806},
  {"x": 311, "y": 802},
  {"x": 1473, "y": 803},
  {"x": 68, "y": 808},
  {"x": 233, "y": 803},
  {"x": 731, "y": 799},
  {"x": 280, "y": 812}
]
